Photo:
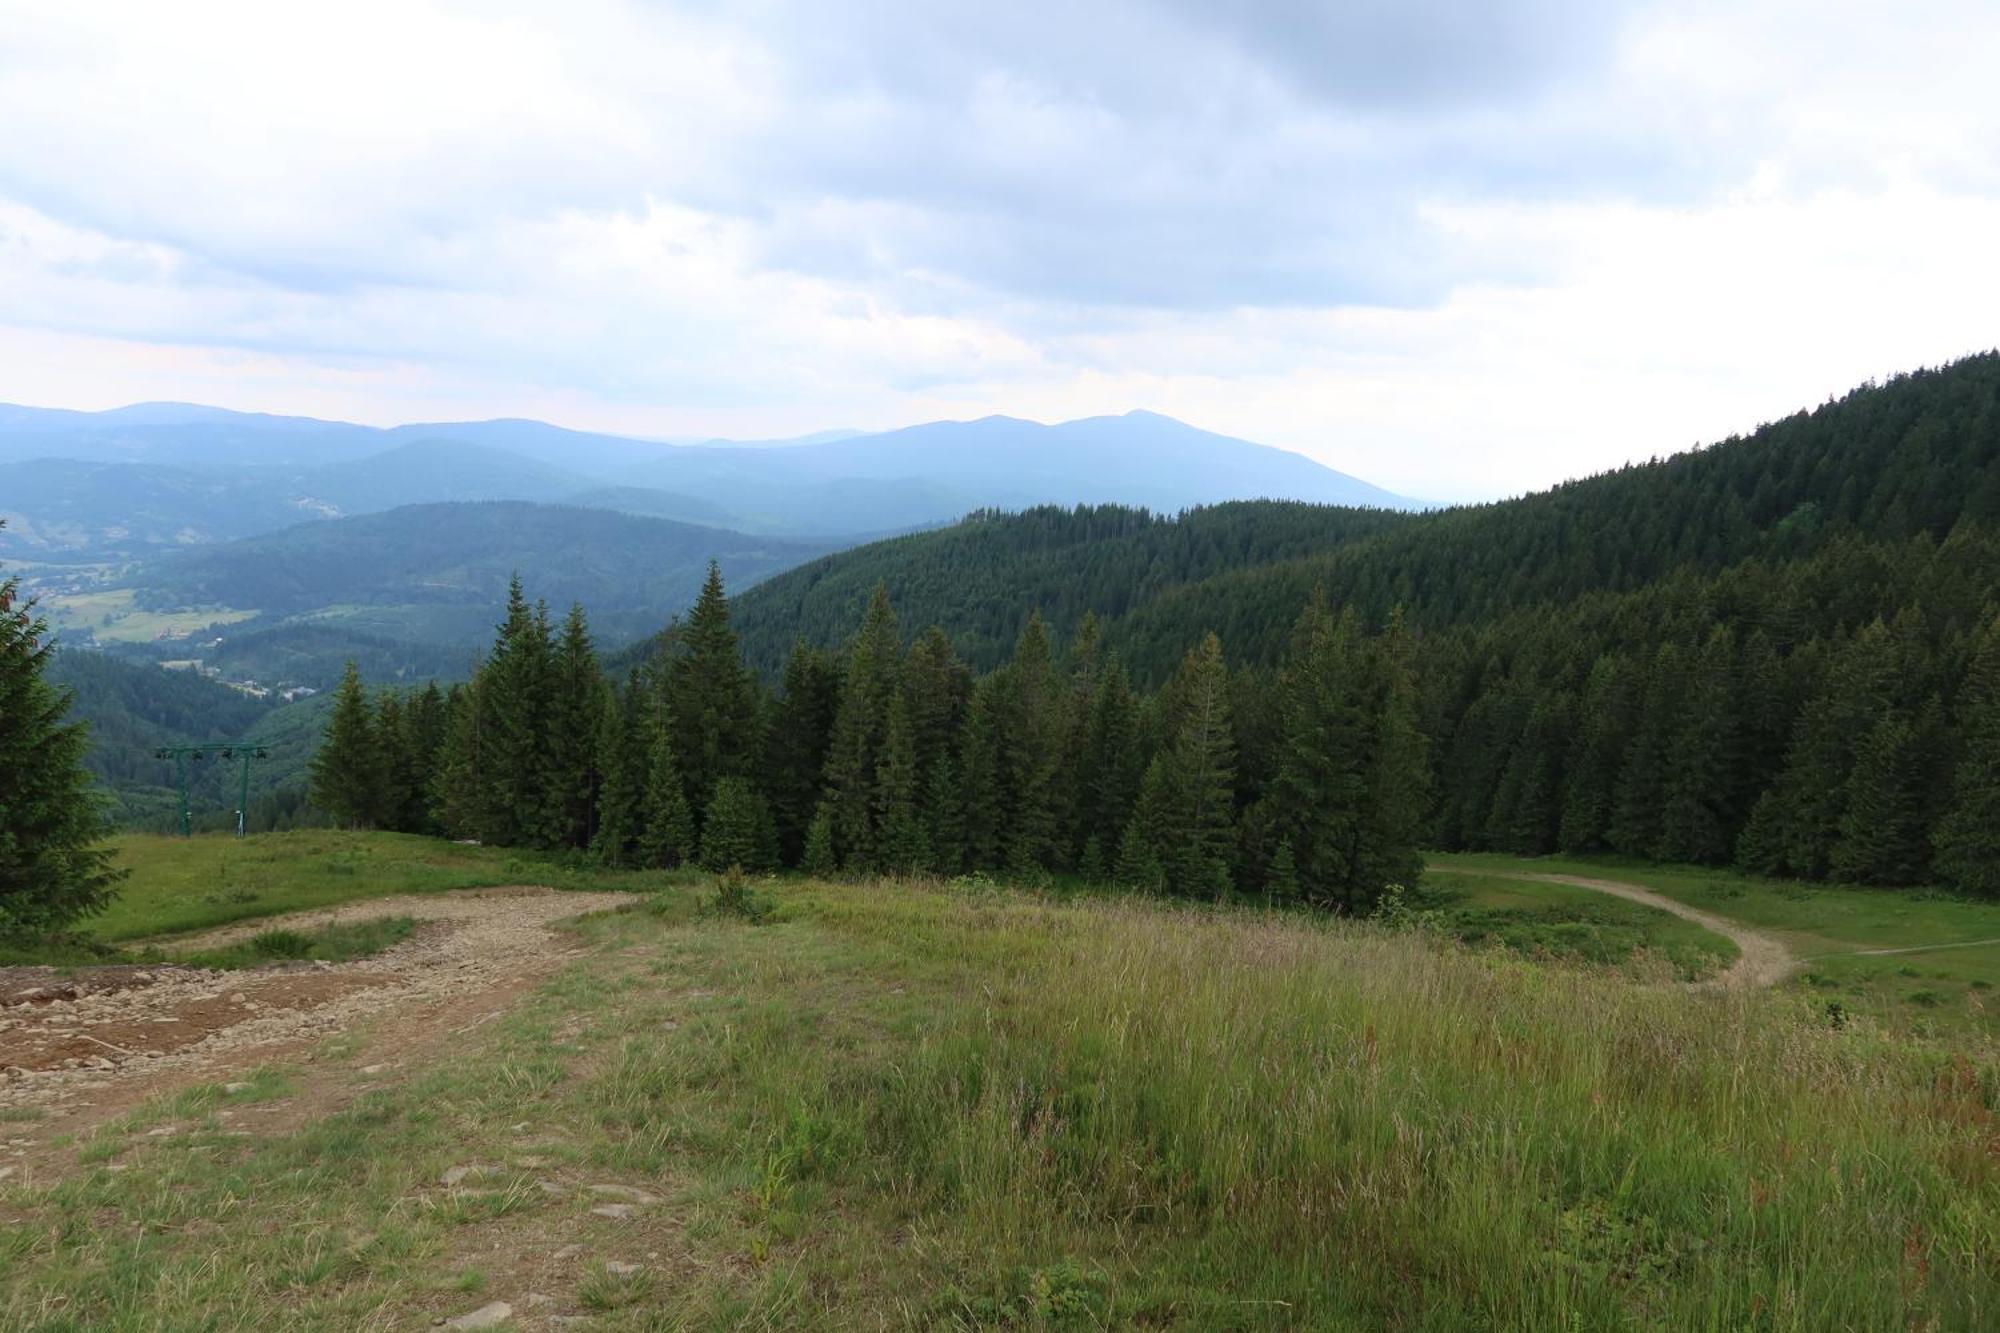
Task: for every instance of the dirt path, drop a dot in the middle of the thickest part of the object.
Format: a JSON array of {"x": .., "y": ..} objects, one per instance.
[
  {"x": 1761, "y": 961},
  {"x": 81, "y": 1049}
]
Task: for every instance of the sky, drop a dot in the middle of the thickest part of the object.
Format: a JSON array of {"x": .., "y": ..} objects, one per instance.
[{"x": 1460, "y": 248}]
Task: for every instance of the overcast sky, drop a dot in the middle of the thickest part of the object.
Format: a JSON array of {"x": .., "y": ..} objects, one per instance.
[{"x": 1457, "y": 247}]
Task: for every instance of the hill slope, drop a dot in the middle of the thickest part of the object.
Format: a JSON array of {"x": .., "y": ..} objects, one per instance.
[{"x": 1918, "y": 455}]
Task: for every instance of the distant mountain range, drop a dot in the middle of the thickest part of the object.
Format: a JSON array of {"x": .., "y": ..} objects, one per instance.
[{"x": 116, "y": 485}]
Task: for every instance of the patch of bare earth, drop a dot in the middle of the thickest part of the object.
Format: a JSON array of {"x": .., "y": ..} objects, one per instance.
[{"x": 82, "y": 1047}]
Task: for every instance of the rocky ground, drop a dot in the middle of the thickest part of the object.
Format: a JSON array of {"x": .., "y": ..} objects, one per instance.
[{"x": 80, "y": 1044}]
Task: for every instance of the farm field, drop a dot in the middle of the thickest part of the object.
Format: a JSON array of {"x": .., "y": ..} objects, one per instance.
[
  {"x": 914, "y": 1104},
  {"x": 113, "y": 615}
]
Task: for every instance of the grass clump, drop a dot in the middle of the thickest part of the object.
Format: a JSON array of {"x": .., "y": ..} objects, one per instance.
[{"x": 330, "y": 944}]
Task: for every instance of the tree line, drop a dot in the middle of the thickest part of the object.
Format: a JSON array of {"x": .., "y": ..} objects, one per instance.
[{"x": 893, "y": 756}]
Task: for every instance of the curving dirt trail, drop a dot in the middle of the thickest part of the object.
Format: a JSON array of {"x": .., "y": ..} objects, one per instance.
[
  {"x": 1761, "y": 961},
  {"x": 80, "y": 1046}
]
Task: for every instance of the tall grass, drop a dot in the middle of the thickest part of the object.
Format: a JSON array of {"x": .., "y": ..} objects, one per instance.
[{"x": 1250, "y": 1121}]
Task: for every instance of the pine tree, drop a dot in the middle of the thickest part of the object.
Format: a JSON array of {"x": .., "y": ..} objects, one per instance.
[
  {"x": 669, "y": 823},
  {"x": 1091, "y": 865},
  {"x": 397, "y": 783},
  {"x": 622, "y": 753},
  {"x": 461, "y": 793},
  {"x": 1031, "y": 740},
  {"x": 1796, "y": 826},
  {"x": 1109, "y": 769},
  {"x": 347, "y": 770},
  {"x": 944, "y": 819},
  {"x": 1321, "y": 795},
  {"x": 796, "y": 745},
  {"x": 738, "y": 830},
  {"x": 1641, "y": 792},
  {"x": 54, "y": 867},
  {"x": 904, "y": 841},
  {"x": 427, "y": 720},
  {"x": 1281, "y": 885},
  {"x": 979, "y": 808},
  {"x": 1199, "y": 830},
  {"x": 514, "y": 738},
  {"x": 818, "y": 858},
  {"x": 711, "y": 699},
  {"x": 571, "y": 766},
  {"x": 1398, "y": 793},
  {"x": 859, "y": 729},
  {"x": 1967, "y": 837},
  {"x": 1702, "y": 787},
  {"x": 1882, "y": 835},
  {"x": 1141, "y": 861}
]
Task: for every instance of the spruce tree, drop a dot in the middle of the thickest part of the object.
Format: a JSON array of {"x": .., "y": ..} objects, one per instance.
[
  {"x": 796, "y": 744},
  {"x": 711, "y": 698},
  {"x": 1596, "y": 755},
  {"x": 1031, "y": 741},
  {"x": 1321, "y": 795},
  {"x": 1642, "y": 782},
  {"x": 54, "y": 867},
  {"x": 860, "y": 727},
  {"x": 1111, "y": 764},
  {"x": 818, "y": 857},
  {"x": 737, "y": 831},
  {"x": 1281, "y": 884},
  {"x": 668, "y": 836},
  {"x": 1199, "y": 831},
  {"x": 347, "y": 770},
  {"x": 944, "y": 818},
  {"x": 1141, "y": 860},
  {"x": 461, "y": 792},
  {"x": 1398, "y": 790},
  {"x": 904, "y": 846},
  {"x": 573, "y": 774},
  {"x": 1882, "y": 835},
  {"x": 427, "y": 720},
  {"x": 982, "y": 820},
  {"x": 622, "y": 754},
  {"x": 513, "y": 761},
  {"x": 1967, "y": 837},
  {"x": 397, "y": 783},
  {"x": 1702, "y": 787}
]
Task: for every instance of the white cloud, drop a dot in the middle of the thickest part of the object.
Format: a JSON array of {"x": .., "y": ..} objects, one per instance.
[{"x": 1453, "y": 266}]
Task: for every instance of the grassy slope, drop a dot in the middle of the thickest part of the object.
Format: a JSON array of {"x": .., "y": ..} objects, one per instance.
[
  {"x": 1560, "y": 922},
  {"x": 906, "y": 1107},
  {"x": 187, "y": 884},
  {"x": 1826, "y": 925}
]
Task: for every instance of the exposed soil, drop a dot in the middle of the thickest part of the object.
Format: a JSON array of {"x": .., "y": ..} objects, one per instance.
[{"x": 83, "y": 1045}]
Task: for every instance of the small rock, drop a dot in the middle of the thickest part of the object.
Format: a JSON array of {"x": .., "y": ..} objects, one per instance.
[
  {"x": 523, "y": 1127},
  {"x": 619, "y": 1268},
  {"x": 617, "y": 1212},
  {"x": 491, "y": 1315},
  {"x": 625, "y": 1192},
  {"x": 374, "y": 1069},
  {"x": 458, "y": 1173},
  {"x": 238, "y": 997},
  {"x": 6, "y": 1171},
  {"x": 142, "y": 978},
  {"x": 569, "y": 1252},
  {"x": 164, "y": 1131},
  {"x": 551, "y": 1187},
  {"x": 535, "y": 1298},
  {"x": 236, "y": 1087}
]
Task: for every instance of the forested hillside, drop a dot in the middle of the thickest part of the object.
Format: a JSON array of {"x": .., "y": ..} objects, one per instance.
[{"x": 1765, "y": 651}]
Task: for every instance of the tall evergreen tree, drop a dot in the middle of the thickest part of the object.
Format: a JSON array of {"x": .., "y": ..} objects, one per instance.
[
  {"x": 1882, "y": 835},
  {"x": 905, "y": 844},
  {"x": 1194, "y": 830},
  {"x": 711, "y": 699},
  {"x": 347, "y": 772},
  {"x": 513, "y": 760},
  {"x": 796, "y": 744},
  {"x": 738, "y": 829},
  {"x": 622, "y": 756},
  {"x": 1031, "y": 741},
  {"x": 669, "y": 836},
  {"x": 1967, "y": 838},
  {"x": 54, "y": 866},
  {"x": 572, "y": 768},
  {"x": 859, "y": 731},
  {"x": 1703, "y": 786},
  {"x": 1642, "y": 782}
]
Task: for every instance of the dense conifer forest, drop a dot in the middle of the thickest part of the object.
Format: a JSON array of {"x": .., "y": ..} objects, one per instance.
[{"x": 1781, "y": 652}]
